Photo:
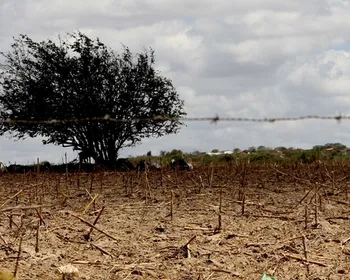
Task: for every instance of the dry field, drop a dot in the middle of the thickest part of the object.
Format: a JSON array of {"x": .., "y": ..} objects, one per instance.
[{"x": 229, "y": 222}]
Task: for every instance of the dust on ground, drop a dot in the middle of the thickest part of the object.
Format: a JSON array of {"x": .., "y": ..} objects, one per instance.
[{"x": 290, "y": 223}]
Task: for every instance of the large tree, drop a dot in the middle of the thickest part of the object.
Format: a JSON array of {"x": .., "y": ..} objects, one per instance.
[{"x": 56, "y": 83}]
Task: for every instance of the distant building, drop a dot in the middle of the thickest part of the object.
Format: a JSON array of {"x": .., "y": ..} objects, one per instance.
[{"x": 220, "y": 153}]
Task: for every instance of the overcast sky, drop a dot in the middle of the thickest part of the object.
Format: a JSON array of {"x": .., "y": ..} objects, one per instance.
[{"x": 242, "y": 58}]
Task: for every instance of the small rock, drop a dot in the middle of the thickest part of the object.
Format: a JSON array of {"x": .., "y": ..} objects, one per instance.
[{"x": 160, "y": 228}]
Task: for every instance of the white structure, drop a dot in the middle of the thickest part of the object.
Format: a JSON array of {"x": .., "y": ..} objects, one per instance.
[{"x": 220, "y": 153}]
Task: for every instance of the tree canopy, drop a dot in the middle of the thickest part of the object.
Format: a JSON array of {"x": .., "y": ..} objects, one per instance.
[{"x": 57, "y": 83}]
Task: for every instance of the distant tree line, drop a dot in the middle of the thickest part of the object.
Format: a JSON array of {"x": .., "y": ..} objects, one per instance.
[{"x": 329, "y": 151}]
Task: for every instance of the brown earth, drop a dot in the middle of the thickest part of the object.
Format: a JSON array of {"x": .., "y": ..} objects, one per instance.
[{"x": 136, "y": 238}]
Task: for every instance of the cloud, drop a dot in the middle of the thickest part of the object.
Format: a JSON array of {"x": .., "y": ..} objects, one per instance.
[
  {"x": 248, "y": 58},
  {"x": 318, "y": 83}
]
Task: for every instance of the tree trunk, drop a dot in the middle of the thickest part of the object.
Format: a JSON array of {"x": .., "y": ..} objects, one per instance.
[{"x": 111, "y": 156}]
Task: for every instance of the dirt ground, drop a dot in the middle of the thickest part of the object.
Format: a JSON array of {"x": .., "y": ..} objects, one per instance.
[{"x": 287, "y": 222}]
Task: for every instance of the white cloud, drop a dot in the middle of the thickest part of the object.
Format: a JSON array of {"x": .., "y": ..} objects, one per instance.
[
  {"x": 244, "y": 58},
  {"x": 329, "y": 73}
]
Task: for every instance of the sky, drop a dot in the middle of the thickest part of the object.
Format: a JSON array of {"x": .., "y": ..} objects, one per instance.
[{"x": 242, "y": 58}]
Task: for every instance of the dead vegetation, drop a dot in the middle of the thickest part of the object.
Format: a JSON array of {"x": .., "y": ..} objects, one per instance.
[{"x": 218, "y": 222}]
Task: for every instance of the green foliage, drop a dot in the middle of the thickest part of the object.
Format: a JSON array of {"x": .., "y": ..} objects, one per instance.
[
  {"x": 278, "y": 155},
  {"x": 308, "y": 156},
  {"x": 176, "y": 154},
  {"x": 82, "y": 78},
  {"x": 337, "y": 146},
  {"x": 218, "y": 159},
  {"x": 225, "y": 158},
  {"x": 318, "y": 148},
  {"x": 251, "y": 149},
  {"x": 264, "y": 156},
  {"x": 206, "y": 160}
]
